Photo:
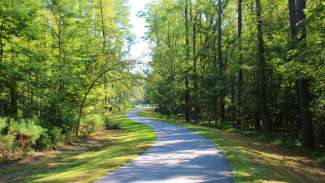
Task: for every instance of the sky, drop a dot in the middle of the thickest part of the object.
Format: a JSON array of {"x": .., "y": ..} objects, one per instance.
[{"x": 140, "y": 47}]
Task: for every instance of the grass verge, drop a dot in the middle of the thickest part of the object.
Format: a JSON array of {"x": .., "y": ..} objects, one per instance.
[
  {"x": 254, "y": 161},
  {"x": 85, "y": 161}
]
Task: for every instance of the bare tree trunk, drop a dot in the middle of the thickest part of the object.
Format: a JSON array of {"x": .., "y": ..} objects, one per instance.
[
  {"x": 103, "y": 25},
  {"x": 267, "y": 126},
  {"x": 195, "y": 93},
  {"x": 305, "y": 114},
  {"x": 292, "y": 16},
  {"x": 220, "y": 64},
  {"x": 240, "y": 72},
  {"x": 303, "y": 83},
  {"x": 187, "y": 44},
  {"x": 106, "y": 102},
  {"x": 298, "y": 27},
  {"x": 13, "y": 97},
  {"x": 1, "y": 43},
  {"x": 61, "y": 77},
  {"x": 157, "y": 33}
]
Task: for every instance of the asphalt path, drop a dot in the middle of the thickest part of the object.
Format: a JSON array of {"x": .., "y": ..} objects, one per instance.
[{"x": 178, "y": 156}]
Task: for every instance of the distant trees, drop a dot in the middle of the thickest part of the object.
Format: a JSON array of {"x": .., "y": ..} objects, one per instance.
[{"x": 245, "y": 69}]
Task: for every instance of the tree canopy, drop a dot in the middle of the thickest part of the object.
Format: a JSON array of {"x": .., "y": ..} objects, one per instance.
[
  {"x": 63, "y": 60},
  {"x": 253, "y": 64}
]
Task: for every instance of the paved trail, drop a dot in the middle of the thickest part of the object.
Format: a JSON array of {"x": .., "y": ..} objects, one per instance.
[{"x": 178, "y": 156}]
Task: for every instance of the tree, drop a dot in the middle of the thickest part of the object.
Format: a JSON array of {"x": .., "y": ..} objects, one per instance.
[
  {"x": 298, "y": 34},
  {"x": 261, "y": 70},
  {"x": 240, "y": 72},
  {"x": 220, "y": 64},
  {"x": 187, "y": 59},
  {"x": 49, "y": 58},
  {"x": 260, "y": 64}
]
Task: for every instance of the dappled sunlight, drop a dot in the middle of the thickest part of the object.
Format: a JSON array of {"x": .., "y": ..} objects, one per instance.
[
  {"x": 93, "y": 157},
  {"x": 243, "y": 173},
  {"x": 178, "y": 155},
  {"x": 269, "y": 181},
  {"x": 290, "y": 167},
  {"x": 252, "y": 159},
  {"x": 273, "y": 158}
]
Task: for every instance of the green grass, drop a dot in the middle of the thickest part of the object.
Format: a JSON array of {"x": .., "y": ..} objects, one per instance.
[
  {"x": 86, "y": 161},
  {"x": 253, "y": 160}
]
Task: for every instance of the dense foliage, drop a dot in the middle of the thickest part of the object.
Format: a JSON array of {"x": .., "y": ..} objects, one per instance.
[
  {"x": 257, "y": 64},
  {"x": 62, "y": 62},
  {"x": 17, "y": 136}
]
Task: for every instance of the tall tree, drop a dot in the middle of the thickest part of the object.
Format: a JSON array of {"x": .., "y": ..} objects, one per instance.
[
  {"x": 267, "y": 126},
  {"x": 240, "y": 60},
  {"x": 194, "y": 57},
  {"x": 220, "y": 64},
  {"x": 299, "y": 36},
  {"x": 187, "y": 59},
  {"x": 255, "y": 50}
]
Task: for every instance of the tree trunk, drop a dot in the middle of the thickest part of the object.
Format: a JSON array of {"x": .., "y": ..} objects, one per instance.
[
  {"x": 13, "y": 108},
  {"x": 187, "y": 45},
  {"x": 90, "y": 87},
  {"x": 305, "y": 114},
  {"x": 61, "y": 72},
  {"x": 1, "y": 43},
  {"x": 103, "y": 25},
  {"x": 157, "y": 33},
  {"x": 220, "y": 64},
  {"x": 240, "y": 61},
  {"x": 103, "y": 51},
  {"x": 292, "y": 16},
  {"x": 195, "y": 94},
  {"x": 267, "y": 126},
  {"x": 298, "y": 27}
]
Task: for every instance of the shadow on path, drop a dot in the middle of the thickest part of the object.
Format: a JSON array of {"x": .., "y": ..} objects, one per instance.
[{"x": 178, "y": 156}]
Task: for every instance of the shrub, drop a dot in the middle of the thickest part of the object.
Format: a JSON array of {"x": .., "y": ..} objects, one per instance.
[
  {"x": 44, "y": 142},
  {"x": 90, "y": 124},
  {"x": 18, "y": 137},
  {"x": 110, "y": 125},
  {"x": 57, "y": 137},
  {"x": 26, "y": 130},
  {"x": 322, "y": 161},
  {"x": 7, "y": 146},
  {"x": 3, "y": 123},
  {"x": 50, "y": 139},
  {"x": 63, "y": 118}
]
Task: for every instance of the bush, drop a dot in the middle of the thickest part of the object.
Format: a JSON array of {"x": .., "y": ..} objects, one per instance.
[
  {"x": 3, "y": 124},
  {"x": 110, "y": 125},
  {"x": 50, "y": 139},
  {"x": 57, "y": 137},
  {"x": 18, "y": 137},
  {"x": 44, "y": 142},
  {"x": 322, "y": 161},
  {"x": 7, "y": 146},
  {"x": 90, "y": 124},
  {"x": 26, "y": 130}
]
